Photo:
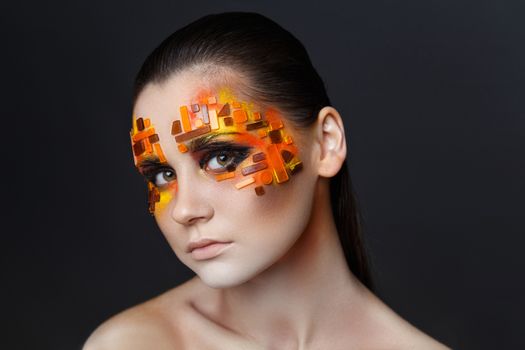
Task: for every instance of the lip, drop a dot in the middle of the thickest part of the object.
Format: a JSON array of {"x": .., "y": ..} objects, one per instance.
[
  {"x": 201, "y": 243},
  {"x": 208, "y": 249}
]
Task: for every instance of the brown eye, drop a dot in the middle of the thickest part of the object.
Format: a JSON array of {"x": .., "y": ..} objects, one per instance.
[
  {"x": 219, "y": 162},
  {"x": 164, "y": 177},
  {"x": 223, "y": 157}
]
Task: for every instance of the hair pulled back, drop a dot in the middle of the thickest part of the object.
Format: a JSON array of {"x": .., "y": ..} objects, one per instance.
[{"x": 269, "y": 55}]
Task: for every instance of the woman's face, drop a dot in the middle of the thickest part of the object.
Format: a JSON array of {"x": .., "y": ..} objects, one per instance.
[{"x": 219, "y": 168}]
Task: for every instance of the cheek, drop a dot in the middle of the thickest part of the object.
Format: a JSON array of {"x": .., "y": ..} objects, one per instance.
[
  {"x": 165, "y": 197},
  {"x": 175, "y": 235},
  {"x": 276, "y": 219},
  {"x": 264, "y": 229}
]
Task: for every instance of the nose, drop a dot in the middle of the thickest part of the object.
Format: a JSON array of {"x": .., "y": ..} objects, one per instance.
[{"x": 191, "y": 205}]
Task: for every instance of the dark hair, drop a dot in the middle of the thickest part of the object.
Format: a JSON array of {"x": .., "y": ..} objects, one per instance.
[{"x": 269, "y": 55}]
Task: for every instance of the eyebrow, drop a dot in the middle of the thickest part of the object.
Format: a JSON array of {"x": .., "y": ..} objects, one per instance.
[
  {"x": 150, "y": 161},
  {"x": 200, "y": 143},
  {"x": 195, "y": 145}
]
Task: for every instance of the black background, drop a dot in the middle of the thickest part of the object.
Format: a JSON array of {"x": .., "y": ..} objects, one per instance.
[{"x": 432, "y": 93}]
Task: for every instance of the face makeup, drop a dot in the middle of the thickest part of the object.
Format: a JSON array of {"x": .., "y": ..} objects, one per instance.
[
  {"x": 257, "y": 152},
  {"x": 147, "y": 150},
  {"x": 229, "y": 176}
]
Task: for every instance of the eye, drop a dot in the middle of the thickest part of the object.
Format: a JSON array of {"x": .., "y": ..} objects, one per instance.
[
  {"x": 219, "y": 162},
  {"x": 224, "y": 160},
  {"x": 164, "y": 177}
]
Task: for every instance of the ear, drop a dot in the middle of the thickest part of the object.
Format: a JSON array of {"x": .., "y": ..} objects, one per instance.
[{"x": 330, "y": 137}]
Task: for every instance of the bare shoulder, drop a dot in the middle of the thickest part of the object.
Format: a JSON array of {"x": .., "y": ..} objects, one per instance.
[
  {"x": 156, "y": 323},
  {"x": 168, "y": 321},
  {"x": 134, "y": 328},
  {"x": 391, "y": 331},
  {"x": 413, "y": 338}
]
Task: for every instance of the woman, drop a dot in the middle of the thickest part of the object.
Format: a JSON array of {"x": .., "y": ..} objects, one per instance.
[{"x": 245, "y": 163}]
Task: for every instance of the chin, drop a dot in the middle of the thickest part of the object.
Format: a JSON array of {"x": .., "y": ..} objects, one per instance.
[{"x": 223, "y": 277}]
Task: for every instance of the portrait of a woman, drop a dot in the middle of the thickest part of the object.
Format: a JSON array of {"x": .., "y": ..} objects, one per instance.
[{"x": 245, "y": 160}]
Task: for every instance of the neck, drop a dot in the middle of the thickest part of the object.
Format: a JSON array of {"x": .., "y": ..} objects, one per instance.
[{"x": 302, "y": 294}]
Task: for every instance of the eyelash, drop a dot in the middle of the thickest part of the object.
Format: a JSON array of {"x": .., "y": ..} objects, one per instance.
[
  {"x": 236, "y": 152},
  {"x": 151, "y": 172}
]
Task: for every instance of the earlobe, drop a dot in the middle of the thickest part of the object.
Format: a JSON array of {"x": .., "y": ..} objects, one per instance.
[{"x": 332, "y": 142}]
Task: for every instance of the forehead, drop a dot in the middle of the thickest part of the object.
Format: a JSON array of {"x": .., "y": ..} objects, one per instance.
[
  {"x": 162, "y": 102},
  {"x": 157, "y": 100},
  {"x": 185, "y": 88}
]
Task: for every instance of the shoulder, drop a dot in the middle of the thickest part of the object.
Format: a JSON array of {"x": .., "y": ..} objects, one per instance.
[
  {"x": 156, "y": 323},
  {"x": 129, "y": 330},
  {"x": 388, "y": 330},
  {"x": 398, "y": 333},
  {"x": 410, "y": 337}
]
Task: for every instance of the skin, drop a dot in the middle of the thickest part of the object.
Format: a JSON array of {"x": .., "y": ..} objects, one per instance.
[{"x": 284, "y": 282}]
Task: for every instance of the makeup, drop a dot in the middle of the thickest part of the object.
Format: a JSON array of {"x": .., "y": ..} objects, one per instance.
[
  {"x": 209, "y": 116},
  {"x": 147, "y": 152},
  {"x": 230, "y": 139}
]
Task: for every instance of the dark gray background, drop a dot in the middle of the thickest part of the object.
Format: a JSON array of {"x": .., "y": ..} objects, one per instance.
[{"x": 432, "y": 96}]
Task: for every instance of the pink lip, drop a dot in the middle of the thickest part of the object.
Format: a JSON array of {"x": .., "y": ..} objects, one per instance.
[
  {"x": 201, "y": 243},
  {"x": 209, "y": 250}
]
